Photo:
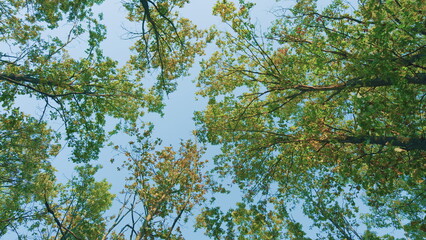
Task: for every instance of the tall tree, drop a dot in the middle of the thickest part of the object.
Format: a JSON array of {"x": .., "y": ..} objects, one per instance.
[
  {"x": 78, "y": 91},
  {"x": 25, "y": 146},
  {"x": 326, "y": 107},
  {"x": 162, "y": 189},
  {"x": 75, "y": 210},
  {"x": 165, "y": 41},
  {"x": 81, "y": 90}
]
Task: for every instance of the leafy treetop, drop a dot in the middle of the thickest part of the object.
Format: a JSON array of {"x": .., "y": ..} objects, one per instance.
[{"x": 324, "y": 108}]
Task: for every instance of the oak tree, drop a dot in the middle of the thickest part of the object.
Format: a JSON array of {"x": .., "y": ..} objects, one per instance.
[{"x": 325, "y": 108}]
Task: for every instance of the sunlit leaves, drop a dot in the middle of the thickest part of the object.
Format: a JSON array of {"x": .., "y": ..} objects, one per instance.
[{"x": 323, "y": 112}]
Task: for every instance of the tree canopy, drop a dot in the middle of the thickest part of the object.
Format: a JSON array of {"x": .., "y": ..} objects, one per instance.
[
  {"x": 322, "y": 112},
  {"x": 324, "y": 108}
]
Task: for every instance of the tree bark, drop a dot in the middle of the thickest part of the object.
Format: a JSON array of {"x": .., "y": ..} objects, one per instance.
[
  {"x": 412, "y": 143},
  {"x": 419, "y": 78}
]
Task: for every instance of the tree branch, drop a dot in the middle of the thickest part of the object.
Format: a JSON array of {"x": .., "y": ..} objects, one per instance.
[
  {"x": 409, "y": 143},
  {"x": 419, "y": 78},
  {"x": 61, "y": 227}
]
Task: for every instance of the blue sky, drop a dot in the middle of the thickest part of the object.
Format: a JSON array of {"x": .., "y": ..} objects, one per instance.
[{"x": 177, "y": 122}]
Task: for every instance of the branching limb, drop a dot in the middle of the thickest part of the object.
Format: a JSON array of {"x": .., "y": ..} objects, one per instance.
[{"x": 57, "y": 221}]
